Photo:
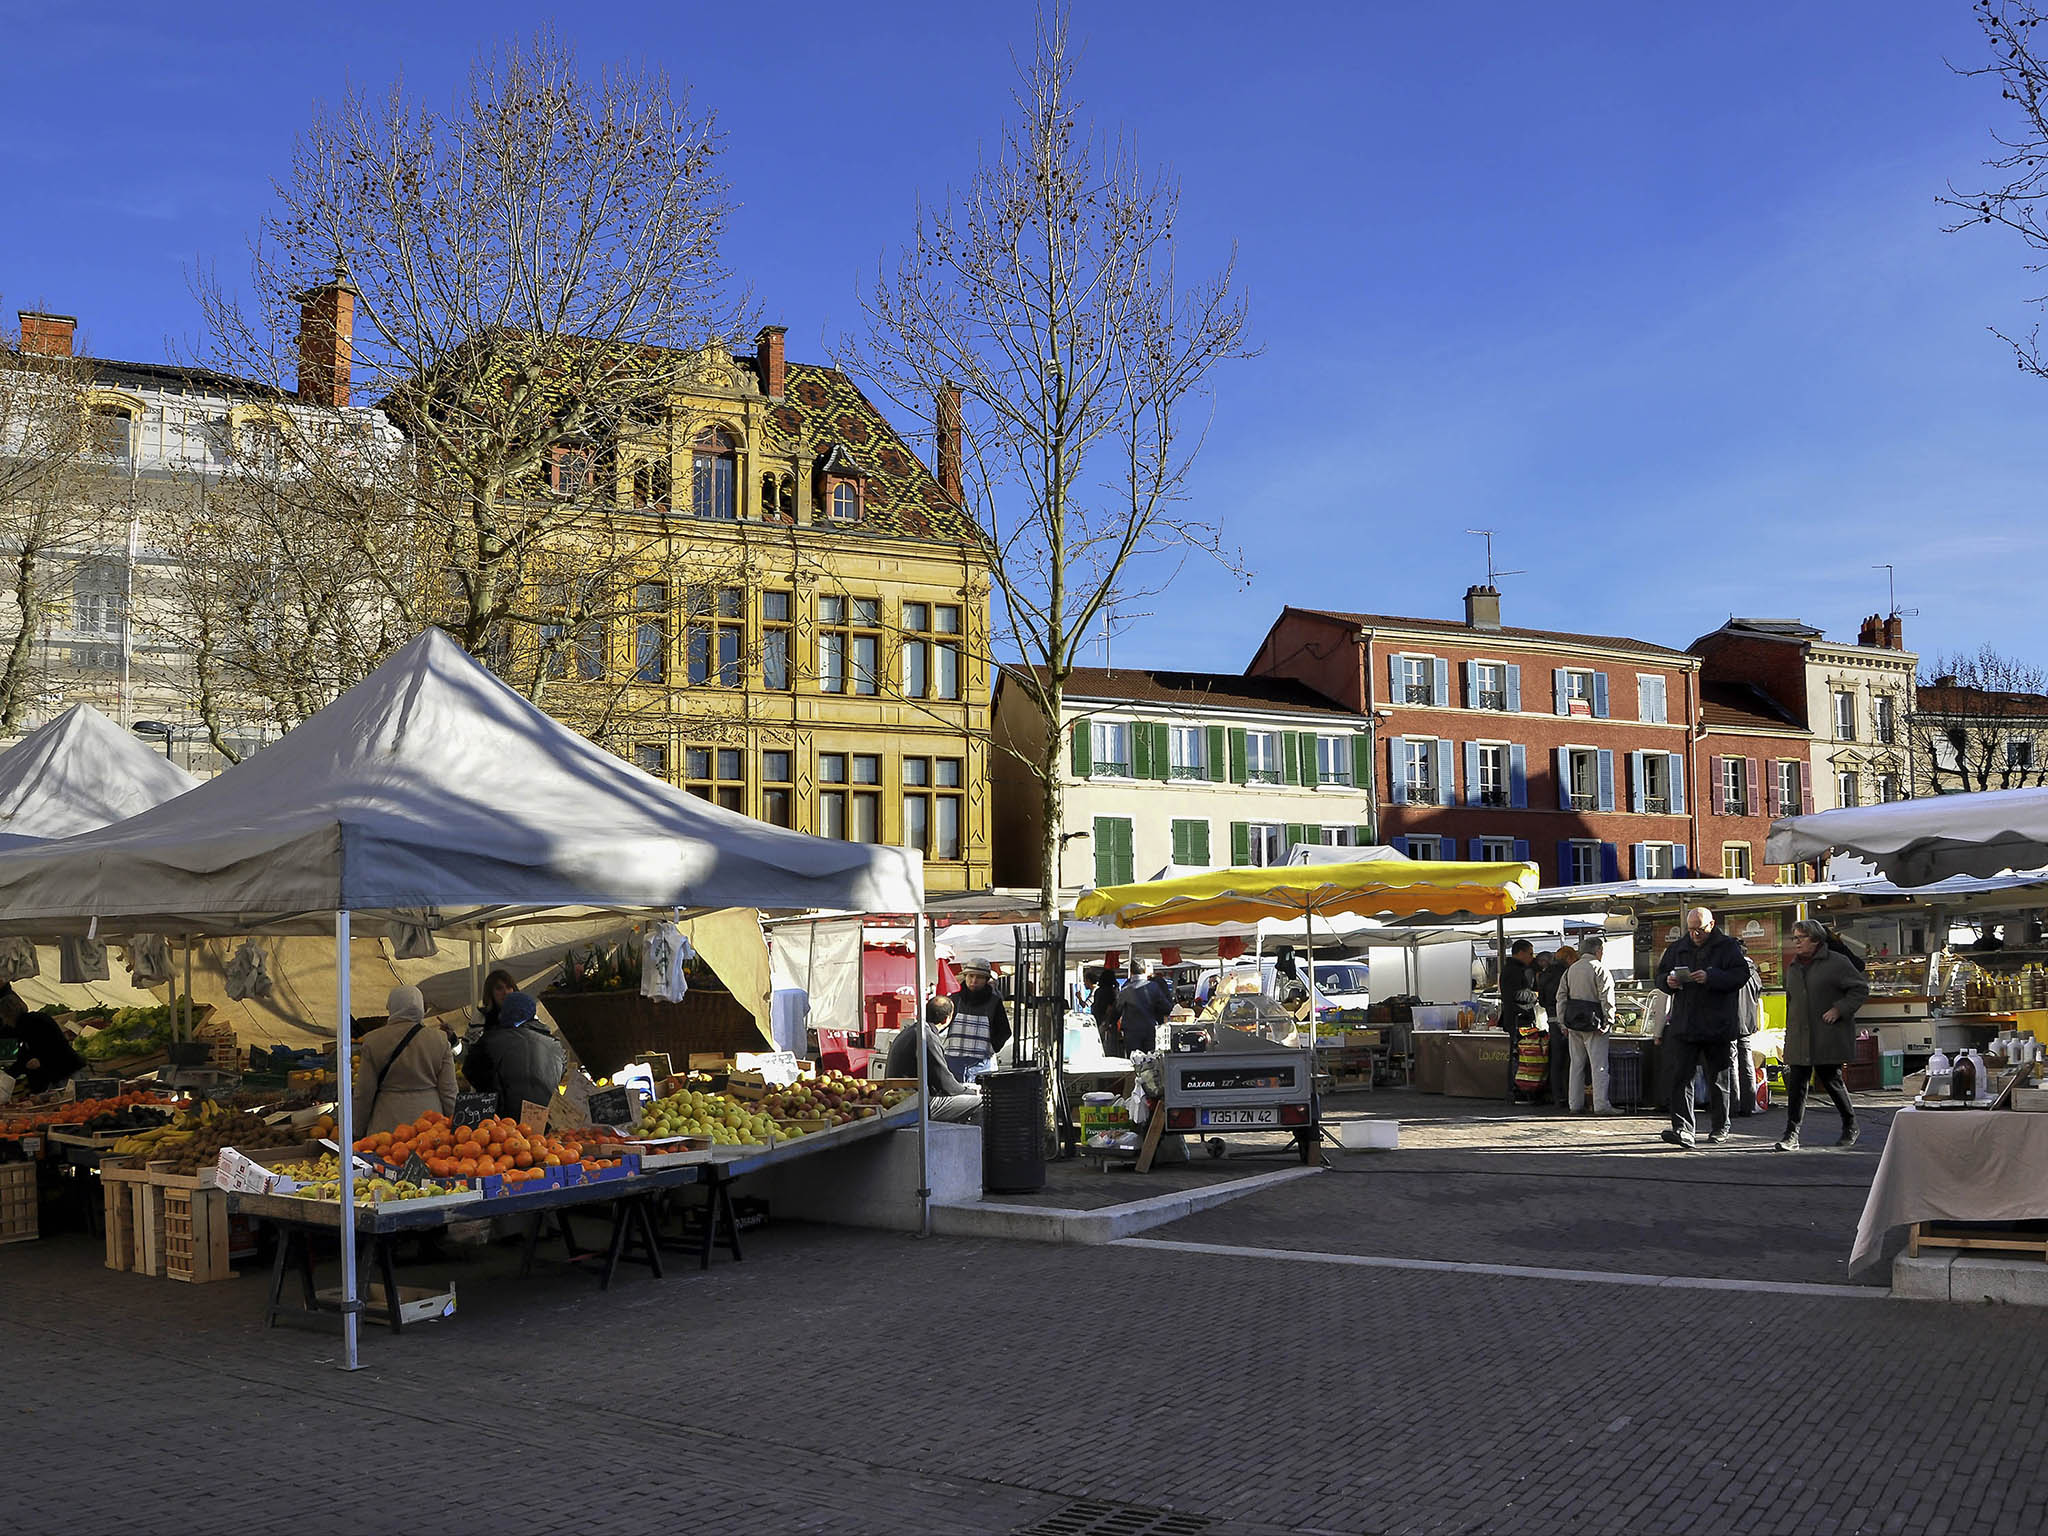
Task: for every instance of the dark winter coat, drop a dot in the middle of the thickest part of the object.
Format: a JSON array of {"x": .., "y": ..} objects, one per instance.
[
  {"x": 1517, "y": 993},
  {"x": 1712, "y": 1009},
  {"x": 1830, "y": 981},
  {"x": 517, "y": 1059}
]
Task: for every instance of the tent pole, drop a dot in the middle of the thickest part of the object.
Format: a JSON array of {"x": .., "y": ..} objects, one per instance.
[
  {"x": 924, "y": 1084},
  {"x": 188, "y": 988},
  {"x": 344, "y": 1119},
  {"x": 1308, "y": 934}
]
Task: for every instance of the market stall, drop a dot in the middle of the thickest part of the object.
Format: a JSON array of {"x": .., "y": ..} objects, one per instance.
[
  {"x": 429, "y": 798},
  {"x": 1399, "y": 888}
]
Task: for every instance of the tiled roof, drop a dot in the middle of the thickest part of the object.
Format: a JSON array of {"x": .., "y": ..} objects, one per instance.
[
  {"x": 110, "y": 374},
  {"x": 1742, "y": 706},
  {"x": 1956, "y": 699},
  {"x": 1461, "y": 628},
  {"x": 901, "y": 496},
  {"x": 1200, "y": 690}
]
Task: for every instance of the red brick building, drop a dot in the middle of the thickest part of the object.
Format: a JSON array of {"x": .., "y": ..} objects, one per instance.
[
  {"x": 1573, "y": 751},
  {"x": 1750, "y": 766}
]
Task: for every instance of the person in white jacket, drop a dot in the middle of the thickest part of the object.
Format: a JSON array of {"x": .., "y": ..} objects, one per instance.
[{"x": 1588, "y": 982}]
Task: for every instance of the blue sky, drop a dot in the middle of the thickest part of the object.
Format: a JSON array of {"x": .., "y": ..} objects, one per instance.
[{"x": 1659, "y": 294}]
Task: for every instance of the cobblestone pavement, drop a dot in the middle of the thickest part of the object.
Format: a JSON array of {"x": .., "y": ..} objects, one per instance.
[{"x": 850, "y": 1382}]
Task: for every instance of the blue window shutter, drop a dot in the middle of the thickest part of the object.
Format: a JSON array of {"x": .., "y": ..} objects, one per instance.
[
  {"x": 1521, "y": 850},
  {"x": 1446, "y": 776},
  {"x": 1639, "y": 858},
  {"x": 1471, "y": 772},
  {"x": 1394, "y": 692},
  {"x": 1518, "y": 777},
  {"x": 1635, "y": 781},
  {"x": 1681, "y": 861},
  {"x": 1472, "y": 850},
  {"x": 1562, "y": 758},
  {"x": 1606, "y": 761},
  {"x": 1600, "y": 695},
  {"x": 1398, "y": 844},
  {"x": 1560, "y": 699},
  {"x": 1440, "y": 695},
  {"x": 1515, "y": 686},
  {"x": 1471, "y": 685},
  {"x": 1677, "y": 783},
  {"x": 1610, "y": 862},
  {"x": 1397, "y": 780},
  {"x": 1564, "y": 862}
]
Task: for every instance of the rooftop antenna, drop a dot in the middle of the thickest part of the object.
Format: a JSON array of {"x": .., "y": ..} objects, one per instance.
[
  {"x": 1891, "y": 592},
  {"x": 1492, "y": 575}
]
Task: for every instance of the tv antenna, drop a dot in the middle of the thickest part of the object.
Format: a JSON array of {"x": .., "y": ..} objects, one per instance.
[
  {"x": 1891, "y": 592},
  {"x": 1492, "y": 575}
]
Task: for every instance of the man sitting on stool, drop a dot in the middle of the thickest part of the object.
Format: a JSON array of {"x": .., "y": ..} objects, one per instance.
[{"x": 951, "y": 1098}]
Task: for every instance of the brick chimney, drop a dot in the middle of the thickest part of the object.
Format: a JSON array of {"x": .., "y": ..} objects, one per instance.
[
  {"x": 768, "y": 360},
  {"x": 1872, "y": 632},
  {"x": 47, "y": 335},
  {"x": 1482, "y": 607},
  {"x": 946, "y": 418},
  {"x": 327, "y": 321},
  {"x": 1894, "y": 633}
]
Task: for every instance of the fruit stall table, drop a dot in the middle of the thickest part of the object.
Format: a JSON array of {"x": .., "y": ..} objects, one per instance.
[{"x": 632, "y": 1198}]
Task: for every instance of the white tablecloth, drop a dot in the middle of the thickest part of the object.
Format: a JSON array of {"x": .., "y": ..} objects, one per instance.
[{"x": 1955, "y": 1165}]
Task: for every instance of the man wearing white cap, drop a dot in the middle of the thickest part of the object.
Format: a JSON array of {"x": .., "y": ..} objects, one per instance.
[{"x": 981, "y": 1027}]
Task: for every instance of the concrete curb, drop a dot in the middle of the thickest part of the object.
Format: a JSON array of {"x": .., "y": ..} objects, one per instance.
[
  {"x": 2012, "y": 1282},
  {"x": 1055, "y": 1224}
]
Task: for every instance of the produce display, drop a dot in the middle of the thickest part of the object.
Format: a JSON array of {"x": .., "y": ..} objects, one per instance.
[
  {"x": 495, "y": 1146},
  {"x": 24, "y": 1121},
  {"x": 372, "y": 1191},
  {"x": 125, "y": 1032},
  {"x": 831, "y": 1096},
  {"x": 193, "y": 1141},
  {"x": 137, "y": 1117},
  {"x": 690, "y": 1112}
]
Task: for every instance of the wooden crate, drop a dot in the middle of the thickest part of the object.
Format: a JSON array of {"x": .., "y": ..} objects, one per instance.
[
  {"x": 195, "y": 1235},
  {"x": 118, "y": 1177},
  {"x": 19, "y": 1222}
]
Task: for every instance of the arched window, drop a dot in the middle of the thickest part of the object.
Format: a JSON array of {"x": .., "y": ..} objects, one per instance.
[
  {"x": 846, "y": 502},
  {"x": 714, "y": 469},
  {"x": 771, "y": 498},
  {"x": 113, "y": 431}
]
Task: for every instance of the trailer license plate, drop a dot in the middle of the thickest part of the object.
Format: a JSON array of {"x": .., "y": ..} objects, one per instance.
[{"x": 1264, "y": 1116}]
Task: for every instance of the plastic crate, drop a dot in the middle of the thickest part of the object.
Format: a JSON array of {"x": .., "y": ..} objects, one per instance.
[
  {"x": 1625, "y": 1076},
  {"x": 1892, "y": 1073},
  {"x": 19, "y": 1221}
]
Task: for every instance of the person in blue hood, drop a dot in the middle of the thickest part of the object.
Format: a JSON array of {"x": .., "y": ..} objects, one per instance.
[{"x": 516, "y": 1057}]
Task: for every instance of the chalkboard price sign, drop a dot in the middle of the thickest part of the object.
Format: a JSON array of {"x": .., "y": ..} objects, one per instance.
[
  {"x": 415, "y": 1171},
  {"x": 611, "y": 1106},
  {"x": 474, "y": 1108}
]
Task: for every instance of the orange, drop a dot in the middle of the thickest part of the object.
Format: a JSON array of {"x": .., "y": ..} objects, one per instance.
[
  {"x": 486, "y": 1167},
  {"x": 553, "y": 1161},
  {"x": 466, "y": 1166}
]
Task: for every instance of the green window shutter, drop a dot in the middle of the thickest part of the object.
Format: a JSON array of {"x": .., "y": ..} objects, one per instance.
[
  {"x": 1198, "y": 844},
  {"x": 1082, "y": 764},
  {"x": 1141, "y": 750},
  {"x": 1365, "y": 838},
  {"x": 1237, "y": 760},
  {"x": 1310, "y": 772},
  {"x": 1290, "y": 758},
  {"x": 1180, "y": 841},
  {"x": 1112, "y": 850},
  {"x": 1240, "y": 843},
  {"x": 1218, "y": 753},
  {"x": 1162, "y": 753},
  {"x": 1125, "y": 874},
  {"x": 1296, "y": 834},
  {"x": 1361, "y": 761}
]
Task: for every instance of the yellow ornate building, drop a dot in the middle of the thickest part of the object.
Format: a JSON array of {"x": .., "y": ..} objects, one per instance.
[{"x": 810, "y": 645}]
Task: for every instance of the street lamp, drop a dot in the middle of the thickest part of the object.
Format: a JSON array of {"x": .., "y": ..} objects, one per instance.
[{"x": 159, "y": 728}]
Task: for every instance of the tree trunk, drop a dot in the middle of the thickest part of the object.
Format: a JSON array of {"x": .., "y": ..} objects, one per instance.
[{"x": 19, "y": 652}]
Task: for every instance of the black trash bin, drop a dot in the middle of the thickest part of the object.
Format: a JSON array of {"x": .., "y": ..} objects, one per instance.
[{"x": 1013, "y": 1131}]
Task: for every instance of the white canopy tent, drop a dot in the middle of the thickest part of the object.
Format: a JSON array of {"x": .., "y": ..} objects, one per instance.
[
  {"x": 1918, "y": 842},
  {"x": 77, "y": 774},
  {"x": 430, "y": 794}
]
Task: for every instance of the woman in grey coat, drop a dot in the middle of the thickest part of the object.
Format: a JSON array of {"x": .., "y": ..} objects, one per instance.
[{"x": 1823, "y": 990}]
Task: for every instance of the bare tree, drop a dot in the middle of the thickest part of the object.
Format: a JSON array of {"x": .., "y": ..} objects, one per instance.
[
  {"x": 47, "y": 475},
  {"x": 2011, "y": 33},
  {"x": 532, "y": 277},
  {"x": 1047, "y": 291},
  {"x": 1981, "y": 722}
]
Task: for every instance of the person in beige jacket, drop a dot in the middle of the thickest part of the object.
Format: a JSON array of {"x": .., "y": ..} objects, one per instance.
[{"x": 407, "y": 1068}]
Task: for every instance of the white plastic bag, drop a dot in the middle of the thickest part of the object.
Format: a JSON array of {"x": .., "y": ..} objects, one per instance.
[
  {"x": 82, "y": 960},
  {"x": 663, "y": 960},
  {"x": 412, "y": 934},
  {"x": 149, "y": 960},
  {"x": 1140, "y": 1107},
  {"x": 248, "y": 971},
  {"x": 18, "y": 960}
]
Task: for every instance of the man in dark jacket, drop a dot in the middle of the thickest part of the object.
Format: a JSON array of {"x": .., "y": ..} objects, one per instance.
[
  {"x": 1141, "y": 1007},
  {"x": 1518, "y": 998},
  {"x": 1550, "y": 974},
  {"x": 951, "y": 1099},
  {"x": 515, "y": 1057},
  {"x": 1704, "y": 972},
  {"x": 980, "y": 1027}
]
